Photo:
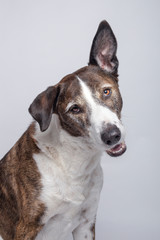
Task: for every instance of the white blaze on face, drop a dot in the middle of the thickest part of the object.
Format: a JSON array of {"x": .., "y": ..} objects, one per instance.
[{"x": 100, "y": 115}]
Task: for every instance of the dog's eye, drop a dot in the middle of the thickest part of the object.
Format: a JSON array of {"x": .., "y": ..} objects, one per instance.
[
  {"x": 107, "y": 92},
  {"x": 75, "y": 109}
]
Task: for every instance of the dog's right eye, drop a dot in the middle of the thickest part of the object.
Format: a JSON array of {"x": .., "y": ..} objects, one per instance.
[
  {"x": 107, "y": 92},
  {"x": 75, "y": 109}
]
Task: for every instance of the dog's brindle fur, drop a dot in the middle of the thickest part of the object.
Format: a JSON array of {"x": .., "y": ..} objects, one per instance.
[
  {"x": 21, "y": 207},
  {"x": 20, "y": 210}
]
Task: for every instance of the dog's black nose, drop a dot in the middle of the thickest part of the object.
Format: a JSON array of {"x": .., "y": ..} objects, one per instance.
[{"x": 111, "y": 135}]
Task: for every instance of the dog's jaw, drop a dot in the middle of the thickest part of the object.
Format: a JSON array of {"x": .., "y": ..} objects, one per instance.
[{"x": 117, "y": 150}]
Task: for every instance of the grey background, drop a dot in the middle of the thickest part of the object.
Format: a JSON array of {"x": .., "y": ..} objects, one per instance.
[{"x": 40, "y": 42}]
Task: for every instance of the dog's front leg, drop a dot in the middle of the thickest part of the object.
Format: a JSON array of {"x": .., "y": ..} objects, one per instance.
[
  {"x": 85, "y": 231},
  {"x": 26, "y": 231}
]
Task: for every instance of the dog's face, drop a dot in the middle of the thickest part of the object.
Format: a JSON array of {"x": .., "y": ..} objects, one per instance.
[{"x": 88, "y": 102}]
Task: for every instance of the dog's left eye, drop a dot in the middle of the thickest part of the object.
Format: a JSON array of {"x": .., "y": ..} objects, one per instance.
[
  {"x": 107, "y": 92},
  {"x": 75, "y": 109}
]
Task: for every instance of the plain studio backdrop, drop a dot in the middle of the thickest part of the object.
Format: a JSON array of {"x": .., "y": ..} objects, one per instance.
[{"x": 41, "y": 41}]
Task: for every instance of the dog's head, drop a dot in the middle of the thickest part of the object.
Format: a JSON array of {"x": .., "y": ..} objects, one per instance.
[{"x": 88, "y": 102}]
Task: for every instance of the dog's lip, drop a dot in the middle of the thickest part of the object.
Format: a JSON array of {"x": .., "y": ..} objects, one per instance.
[{"x": 117, "y": 150}]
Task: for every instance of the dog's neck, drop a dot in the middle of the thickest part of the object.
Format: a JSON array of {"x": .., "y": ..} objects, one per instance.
[
  {"x": 72, "y": 158},
  {"x": 75, "y": 155}
]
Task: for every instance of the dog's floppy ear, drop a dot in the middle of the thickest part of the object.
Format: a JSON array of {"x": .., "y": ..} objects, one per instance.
[
  {"x": 104, "y": 48},
  {"x": 43, "y": 106}
]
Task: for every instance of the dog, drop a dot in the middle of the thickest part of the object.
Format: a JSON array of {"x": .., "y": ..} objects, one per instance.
[{"x": 51, "y": 179}]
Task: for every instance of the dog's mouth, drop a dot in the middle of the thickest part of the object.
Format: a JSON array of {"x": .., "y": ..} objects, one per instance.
[{"x": 117, "y": 150}]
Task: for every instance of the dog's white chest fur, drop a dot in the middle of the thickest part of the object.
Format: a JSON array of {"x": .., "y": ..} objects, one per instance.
[{"x": 72, "y": 181}]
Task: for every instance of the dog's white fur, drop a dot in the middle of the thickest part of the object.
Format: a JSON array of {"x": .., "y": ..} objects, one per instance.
[{"x": 71, "y": 174}]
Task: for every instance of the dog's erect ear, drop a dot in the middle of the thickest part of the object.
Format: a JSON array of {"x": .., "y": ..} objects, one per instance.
[
  {"x": 104, "y": 48},
  {"x": 43, "y": 106}
]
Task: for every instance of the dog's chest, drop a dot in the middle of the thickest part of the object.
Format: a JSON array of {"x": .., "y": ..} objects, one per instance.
[{"x": 68, "y": 200}]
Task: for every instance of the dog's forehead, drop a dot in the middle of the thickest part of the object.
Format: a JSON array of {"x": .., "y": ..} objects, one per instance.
[
  {"x": 93, "y": 77},
  {"x": 70, "y": 87}
]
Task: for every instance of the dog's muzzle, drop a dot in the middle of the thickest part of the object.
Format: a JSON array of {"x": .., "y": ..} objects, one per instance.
[{"x": 111, "y": 136}]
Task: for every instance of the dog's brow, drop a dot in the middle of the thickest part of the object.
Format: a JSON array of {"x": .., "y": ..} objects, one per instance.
[
  {"x": 69, "y": 105},
  {"x": 106, "y": 85}
]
